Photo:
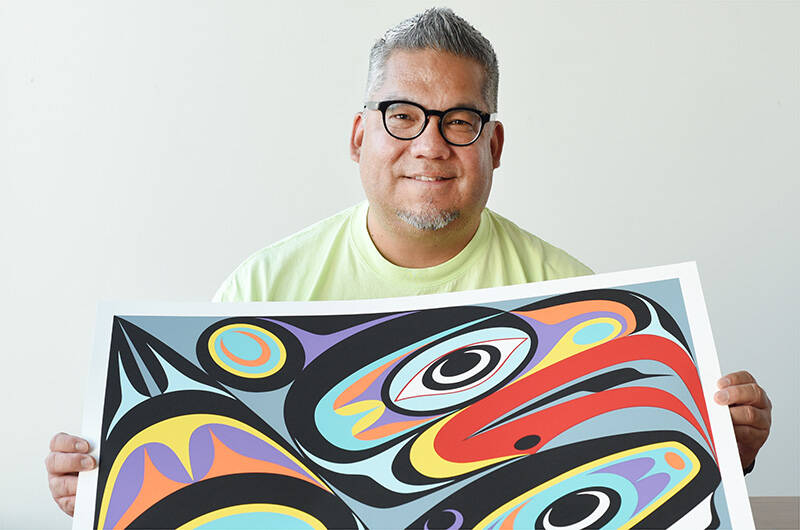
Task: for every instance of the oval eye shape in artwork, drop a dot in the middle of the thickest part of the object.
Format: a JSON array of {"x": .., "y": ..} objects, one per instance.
[
  {"x": 458, "y": 370},
  {"x": 462, "y": 367},
  {"x": 591, "y": 507}
]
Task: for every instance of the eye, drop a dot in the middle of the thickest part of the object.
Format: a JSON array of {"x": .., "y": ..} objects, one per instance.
[
  {"x": 459, "y": 123},
  {"x": 586, "y": 508},
  {"x": 458, "y": 370}
]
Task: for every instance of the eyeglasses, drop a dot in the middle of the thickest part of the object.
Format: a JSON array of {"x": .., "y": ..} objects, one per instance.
[{"x": 405, "y": 120}]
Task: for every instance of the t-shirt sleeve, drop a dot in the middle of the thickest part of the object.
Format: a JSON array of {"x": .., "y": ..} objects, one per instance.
[
  {"x": 229, "y": 291},
  {"x": 559, "y": 264},
  {"x": 248, "y": 282}
]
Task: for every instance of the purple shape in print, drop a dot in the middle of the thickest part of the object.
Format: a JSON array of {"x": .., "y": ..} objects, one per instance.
[
  {"x": 126, "y": 487},
  {"x": 315, "y": 344},
  {"x": 459, "y": 520},
  {"x": 632, "y": 470},
  {"x": 251, "y": 446},
  {"x": 201, "y": 452},
  {"x": 646, "y": 488},
  {"x": 167, "y": 462}
]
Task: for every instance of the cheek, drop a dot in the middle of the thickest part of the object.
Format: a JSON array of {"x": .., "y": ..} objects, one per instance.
[
  {"x": 480, "y": 167},
  {"x": 378, "y": 157},
  {"x": 486, "y": 161},
  {"x": 378, "y": 152}
]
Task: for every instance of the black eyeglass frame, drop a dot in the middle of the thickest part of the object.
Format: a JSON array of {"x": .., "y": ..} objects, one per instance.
[{"x": 383, "y": 105}]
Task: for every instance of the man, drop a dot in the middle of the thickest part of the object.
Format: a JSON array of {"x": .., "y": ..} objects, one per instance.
[{"x": 426, "y": 143}]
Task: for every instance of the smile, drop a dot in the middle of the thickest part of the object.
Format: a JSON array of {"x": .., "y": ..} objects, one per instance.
[{"x": 426, "y": 178}]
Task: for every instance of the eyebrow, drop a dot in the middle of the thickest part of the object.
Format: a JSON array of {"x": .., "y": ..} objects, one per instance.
[{"x": 470, "y": 105}]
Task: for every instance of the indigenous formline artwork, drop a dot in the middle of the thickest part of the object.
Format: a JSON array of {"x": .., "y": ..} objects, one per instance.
[{"x": 548, "y": 405}]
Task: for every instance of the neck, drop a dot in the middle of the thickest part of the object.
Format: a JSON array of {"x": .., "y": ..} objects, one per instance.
[{"x": 410, "y": 247}]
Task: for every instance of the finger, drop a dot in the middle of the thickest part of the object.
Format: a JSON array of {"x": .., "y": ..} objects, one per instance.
[
  {"x": 750, "y": 437},
  {"x": 751, "y": 416},
  {"x": 60, "y": 463},
  {"x": 63, "y": 485},
  {"x": 741, "y": 377},
  {"x": 66, "y": 443},
  {"x": 744, "y": 394},
  {"x": 67, "y": 504}
]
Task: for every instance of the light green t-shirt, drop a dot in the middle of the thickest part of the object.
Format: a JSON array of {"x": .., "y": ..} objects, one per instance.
[{"x": 335, "y": 259}]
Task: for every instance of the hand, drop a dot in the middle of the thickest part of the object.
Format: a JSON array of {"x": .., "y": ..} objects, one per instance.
[
  {"x": 67, "y": 457},
  {"x": 751, "y": 412}
]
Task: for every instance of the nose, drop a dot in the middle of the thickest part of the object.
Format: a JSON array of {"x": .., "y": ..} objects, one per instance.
[{"x": 431, "y": 144}]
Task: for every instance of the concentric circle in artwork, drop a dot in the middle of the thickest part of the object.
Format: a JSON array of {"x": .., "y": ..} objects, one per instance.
[{"x": 250, "y": 354}]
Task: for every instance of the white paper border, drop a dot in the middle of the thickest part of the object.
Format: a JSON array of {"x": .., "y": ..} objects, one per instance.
[
  {"x": 700, "y": 328},
  {"x": 721, "y": 426}
]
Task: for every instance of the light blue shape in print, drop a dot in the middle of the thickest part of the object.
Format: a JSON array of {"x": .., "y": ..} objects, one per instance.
[{"x": 593, "y": 333}]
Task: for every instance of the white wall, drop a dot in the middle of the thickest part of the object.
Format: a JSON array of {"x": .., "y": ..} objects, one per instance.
[{"x": 148, "y": 147}]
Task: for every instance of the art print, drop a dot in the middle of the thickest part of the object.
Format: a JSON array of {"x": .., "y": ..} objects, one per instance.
[{"x": 579, "y": 403}]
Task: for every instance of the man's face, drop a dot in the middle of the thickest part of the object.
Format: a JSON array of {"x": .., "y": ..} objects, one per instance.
[{"x": 426, "y": 183}]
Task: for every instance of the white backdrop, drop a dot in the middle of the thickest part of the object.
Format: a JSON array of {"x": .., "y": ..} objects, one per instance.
[{"x": 148, "y": 147}]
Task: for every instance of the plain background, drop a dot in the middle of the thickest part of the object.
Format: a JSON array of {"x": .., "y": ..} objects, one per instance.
[{"x": 148, "y": 147}]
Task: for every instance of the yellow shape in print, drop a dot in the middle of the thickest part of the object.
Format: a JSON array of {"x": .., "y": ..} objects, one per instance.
[
  {"x": 375, "y": 407},
  {"x": 567, "y": 346},
  {"x": 254, "y": 508},
  {"x": 427, "y": 461}
]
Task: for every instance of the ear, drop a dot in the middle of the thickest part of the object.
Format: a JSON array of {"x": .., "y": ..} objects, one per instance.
[
  {"x": 356, "y": 137},
  {"x": 496, "y": 143}
]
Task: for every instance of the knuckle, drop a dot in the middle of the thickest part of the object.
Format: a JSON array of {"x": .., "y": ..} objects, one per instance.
[
  {"x": 758, "y": 393},
  {"x": 49, "y": 460},
  {"x": 744, "y": 434},
  {"x": 73, "y": 462},
  {"x": 761, "y": 437},
  {"x": 65, "y": 463},
  {"x": 67, "y": 504},
  {"x": 57, "y": 463},
  {"x": 756, "y": 439},
  {"x": 57, "y": 484},
  {"x": 69, "y": 485},
  {"x": 750, "y": 416},
  {"x": 57, "y": 440},
  {"x": 752, "y": 436}
]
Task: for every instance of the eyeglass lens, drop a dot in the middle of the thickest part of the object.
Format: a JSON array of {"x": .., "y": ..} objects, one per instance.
[{"x": 405, "y": 121}]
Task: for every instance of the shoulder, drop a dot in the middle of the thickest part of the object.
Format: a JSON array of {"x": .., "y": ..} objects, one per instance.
[
  {"x": 255, "y": 278},
  {"x": 550, "y": 261}
]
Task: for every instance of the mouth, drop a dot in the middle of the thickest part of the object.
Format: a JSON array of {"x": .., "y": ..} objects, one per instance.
[{"x": 429, "y": 178}]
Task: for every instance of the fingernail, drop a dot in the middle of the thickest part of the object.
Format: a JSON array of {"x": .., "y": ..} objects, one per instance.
[
  {"x": 725, "y": 381},
  {"x": 87, "y": 462},
  {"x": 81, "y": 447},
  {"x": 721, "y": 397}
]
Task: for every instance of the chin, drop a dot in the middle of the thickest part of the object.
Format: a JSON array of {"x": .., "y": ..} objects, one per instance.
[{"x": 428, "y": 219}]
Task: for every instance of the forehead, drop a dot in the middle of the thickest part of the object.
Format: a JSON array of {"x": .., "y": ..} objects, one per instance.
[{"x": 434, "y": 79}]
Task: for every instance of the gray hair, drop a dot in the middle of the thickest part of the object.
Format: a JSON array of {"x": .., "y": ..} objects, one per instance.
[{"x": 437, "y": 28}]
